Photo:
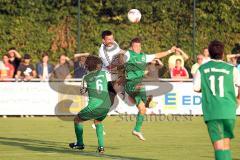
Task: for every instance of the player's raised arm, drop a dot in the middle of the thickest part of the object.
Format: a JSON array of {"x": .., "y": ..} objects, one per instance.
[{"x": 165, "y": 53}]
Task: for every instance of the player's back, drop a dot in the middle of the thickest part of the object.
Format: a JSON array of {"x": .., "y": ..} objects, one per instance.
[
  {"x": 97, "y": 88},
  {"x": 218, "y": 90}
]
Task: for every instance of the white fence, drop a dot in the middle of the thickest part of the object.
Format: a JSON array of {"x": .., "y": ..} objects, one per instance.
[{"x": 62, "y": 98}]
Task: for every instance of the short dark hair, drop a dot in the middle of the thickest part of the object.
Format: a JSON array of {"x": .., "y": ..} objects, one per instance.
[
  {"x": 92, "y": 62},
  {"x": 27, "y": 56},
  {"x": 5, "y": 55},
  {"x": 135, "y": 40},
  {"x": 216, "y": 49},
  {"x": 11, "y": 48},
  {"x": 106, "y": 33},
  {"x": 63, "y": 54},
  {"x": 44, "y": 54},
  {"x": 179, "y": 60}
]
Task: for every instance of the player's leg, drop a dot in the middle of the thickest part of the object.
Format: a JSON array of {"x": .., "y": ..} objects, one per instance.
[
  {"x": 112, "y": 92},
  {"x": 99, "y": 129},
  {"x": 226, "y": 142},
  {"x": 222, "y": 149},
  {"x": 100, "y": 137},
  {"x": 84, "y": 115},
  {"x": 216, "y": 133},
  {"x": 139, "y": 120},
  {"x": 229, "y": 125},
  {"x": 78, "y": 126}
]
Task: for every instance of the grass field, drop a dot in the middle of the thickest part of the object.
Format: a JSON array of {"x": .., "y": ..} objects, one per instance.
[{"x": 47, "y": 138}]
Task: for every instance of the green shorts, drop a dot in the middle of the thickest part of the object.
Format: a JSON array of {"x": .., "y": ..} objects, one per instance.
[
  {"x": 220, "y": 129},
  {"x": 137, "y": 94},
  {"x": 97, "y": 113}
]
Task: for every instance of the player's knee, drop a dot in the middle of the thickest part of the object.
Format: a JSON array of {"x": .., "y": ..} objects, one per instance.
[
  {"x": 219, "y": 145},
  {"x": 227, "y": 143},
  {"x": 97, "y": 122},
  {"x": 142, "y": 110},
  {"x": 77, "y": 120}
]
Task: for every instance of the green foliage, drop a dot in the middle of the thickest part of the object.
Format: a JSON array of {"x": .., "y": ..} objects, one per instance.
[{"x": 51, "y": 25}]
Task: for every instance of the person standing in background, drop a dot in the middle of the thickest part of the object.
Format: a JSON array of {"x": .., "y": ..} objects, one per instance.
[
  {"x": 179, "y": 72},
  {"x": 6, "y": 69},
  {"x": 79, "y": 65},
  {"x": 14, "y": 58},
  {"x": 179, "y": 54},
  {"x": 26, "y": 71},
  {"x": 44, "y": 68},
  {"x": 153, "y": 68},
  {"x": 197, "y": 65},
  {"x": 62, "y": 69},
  {"x": 206, "y": 56}
]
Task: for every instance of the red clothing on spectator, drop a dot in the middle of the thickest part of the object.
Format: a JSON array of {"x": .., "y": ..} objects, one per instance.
[
  {"x": 179, "y": 72},
  {"x": 6, "y": 71}
]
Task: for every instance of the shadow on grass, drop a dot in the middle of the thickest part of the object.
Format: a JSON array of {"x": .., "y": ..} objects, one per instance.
[
  {"x": 213, "y": 157},
  {"x": 55, "y": 147}
]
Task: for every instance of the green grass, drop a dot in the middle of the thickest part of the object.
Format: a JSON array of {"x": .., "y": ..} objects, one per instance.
[{"x": 48, "y": 138}]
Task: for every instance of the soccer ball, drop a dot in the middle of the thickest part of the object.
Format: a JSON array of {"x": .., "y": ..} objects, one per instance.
[{"x": 134, "y": 15}]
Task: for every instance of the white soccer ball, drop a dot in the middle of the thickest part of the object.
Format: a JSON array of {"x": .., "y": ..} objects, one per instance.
[{"x": 134, "y": 15}]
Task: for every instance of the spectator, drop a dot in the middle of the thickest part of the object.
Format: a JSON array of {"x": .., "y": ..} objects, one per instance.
[
  {"x": 14, "y": 58},
  {"x": 62, "y": 69},
  {"x": 1, "y": 65},
  {"x": 153, "y": 68},
  {"x": 206, "y": 56},
  {"x": 179, "y": 54},
  {"x": 6, "y": 69},
  {"x": 179, "y": 72},
  {"x": 26, "y": 71},
  {"x": 44, "y": 69},
  {"x": 232, "y": 59},
  {"x": 197, "y": 65},
  {"x": 79, "y": 65}
]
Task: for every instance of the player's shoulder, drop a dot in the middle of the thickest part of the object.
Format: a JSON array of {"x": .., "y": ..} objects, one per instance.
[
  {"x": 100, "y": 50},
  {"x": 213, "y": 63},
  {"x": 103, "y": 72},
  {"x": 224, "y": 63},
  {"x": 205, "y": 65}
]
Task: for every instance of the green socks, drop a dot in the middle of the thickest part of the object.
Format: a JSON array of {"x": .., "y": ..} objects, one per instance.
[
  {"x": 99, "y": 132},
  {"x": 139, "y": 122},
  {"x": 223, "y": 155},
  {"x": 79, "y": 133}
]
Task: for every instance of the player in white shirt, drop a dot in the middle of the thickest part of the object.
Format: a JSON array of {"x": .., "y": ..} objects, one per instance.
[{"x": 109, "y": 53}]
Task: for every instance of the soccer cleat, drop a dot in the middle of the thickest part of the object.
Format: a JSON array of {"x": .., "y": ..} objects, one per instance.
[
  {"x": 100, "y": 150},
  {"x": 139, "y": 135},
  {"x": 76, "y": 146}
]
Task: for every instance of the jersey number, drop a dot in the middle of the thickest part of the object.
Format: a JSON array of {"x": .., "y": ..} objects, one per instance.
[
  {"x": 99, "y": 86},
  {"x": 213, "y": 85}
]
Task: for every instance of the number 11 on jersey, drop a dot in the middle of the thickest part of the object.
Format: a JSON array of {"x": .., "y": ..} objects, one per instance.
[{"x": 213, "y": 86}]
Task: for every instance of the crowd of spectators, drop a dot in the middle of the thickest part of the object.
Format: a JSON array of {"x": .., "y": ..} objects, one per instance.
[{"x": 13, "y": 65}]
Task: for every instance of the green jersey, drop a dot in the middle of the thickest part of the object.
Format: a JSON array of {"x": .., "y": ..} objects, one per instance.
[
  {"x": 135, "y": 64},
  {"x": 217, "y": 81},
  {"x": 97, "y": 87}
]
